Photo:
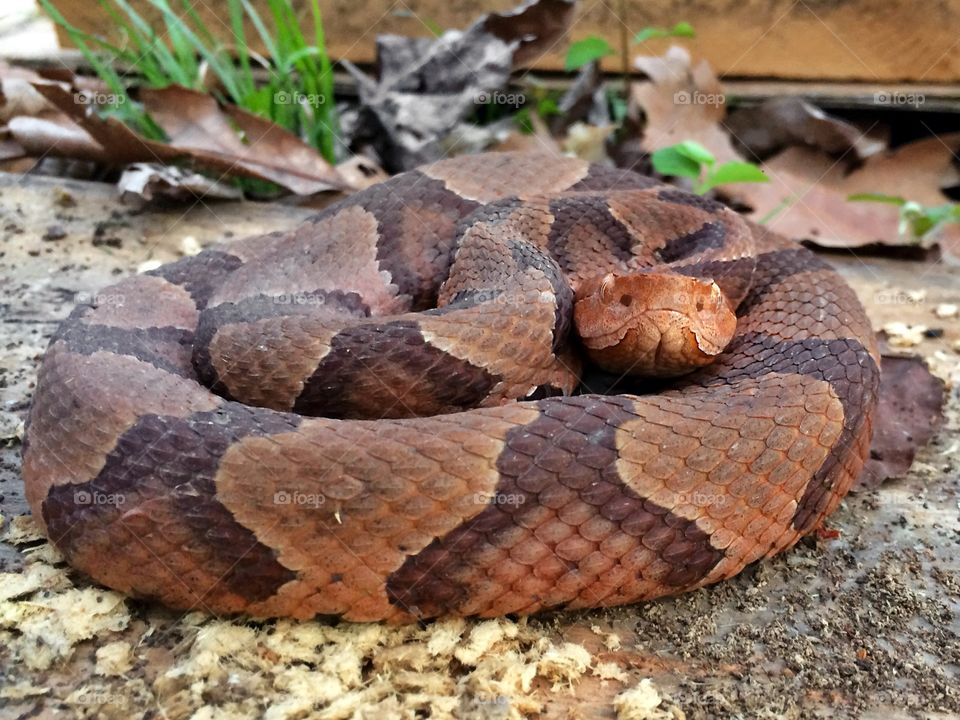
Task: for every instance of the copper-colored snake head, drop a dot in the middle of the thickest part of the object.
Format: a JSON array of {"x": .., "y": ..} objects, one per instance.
[{"x": 658, "y": 324}]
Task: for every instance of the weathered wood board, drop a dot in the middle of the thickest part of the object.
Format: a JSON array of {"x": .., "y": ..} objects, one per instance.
[{"x": 875, "y": 41}]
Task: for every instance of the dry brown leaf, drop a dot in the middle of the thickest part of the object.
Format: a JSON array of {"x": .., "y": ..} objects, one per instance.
[
  {"x": 124, "y": 145},
  {"x": 10, "y": 149},
  {"x": 779, "y": 123},
  {"x": 806, "y": 197},
  {"x": 195, "y": 122},
  {"x": 909, "y": 413},
  {"x": 34, "y": 126},
  {"x": 917, "y": 171},
  {"x": 681, "y": 102},
  {"x": 532, "y": 28},
  {"x": 17, "y": 96},
  {"x": 145, "y": 182},
  {"x": 540, "y": 140},
  {"x": 57, "y": 135},
  {"x": 425, "y": 87},
  {"x": 201, "y": 134}
]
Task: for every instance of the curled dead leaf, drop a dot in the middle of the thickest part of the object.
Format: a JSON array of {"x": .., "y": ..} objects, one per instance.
[
  {"x": 909, "y": 414},
  {"x": 201, "y": 134},
  {"x": 779, "y": 123},
  {"x": 145, "y": 182},
  {"x": 55, "y": 134},
  {"x": 807, "y": 196},
  {"x": 195, "y": 122}
]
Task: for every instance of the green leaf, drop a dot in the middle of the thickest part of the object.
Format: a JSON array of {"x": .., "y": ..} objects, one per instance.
[
  {"x": 523, "y": 121},
  {"x": 950, "y": 212},
  {"x": 922, "y": 219},
  {"x": 547, "y": 107},
  {"x": 670, "y": 161},
  {"x": 696, "y": 152},
  {"x": 681, "y": 29},
  {"x": 586, "y": 51},
  {"x": 877, "y": 198},
  {"x": 914, "y": 219},
  {"x": 732, "y": 172}
]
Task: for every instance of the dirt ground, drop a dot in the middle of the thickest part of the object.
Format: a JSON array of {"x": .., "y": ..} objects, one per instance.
[{"x": 861, "y": 622}]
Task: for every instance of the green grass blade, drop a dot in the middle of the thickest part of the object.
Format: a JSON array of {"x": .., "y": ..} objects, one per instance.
[
  {"x": 201, "y": 28},
  {"x": 186, "y": 57},
  {"x": 265, "y": 37},
  {"x": 159, "y": 51},
  {"x": 877, "y": 198},
  {"x": 142, "y": 58},
  {"x": 325, "y": 140},
  {"x": 225, "y": 72},
  {"x": 245, "y": 75},
  {"x": 74, "y": 31}
]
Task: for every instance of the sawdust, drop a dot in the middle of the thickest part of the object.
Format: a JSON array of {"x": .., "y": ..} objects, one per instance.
[
  {"x": 643, "y": 702},
  {"x": 280, "y": 670}
]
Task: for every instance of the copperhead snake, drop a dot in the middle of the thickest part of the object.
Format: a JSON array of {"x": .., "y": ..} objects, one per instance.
[{"x": 194, "y": 435}]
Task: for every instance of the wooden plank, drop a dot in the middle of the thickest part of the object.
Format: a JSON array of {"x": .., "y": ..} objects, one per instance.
[{"x": 844, "y": 40}]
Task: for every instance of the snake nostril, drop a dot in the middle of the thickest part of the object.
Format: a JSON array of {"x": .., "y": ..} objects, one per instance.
[
  {"x": 699, "y": 305},
  {"x": 626, "y": 300}
]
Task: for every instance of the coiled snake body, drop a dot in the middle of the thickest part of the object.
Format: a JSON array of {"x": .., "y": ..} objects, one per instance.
[{"x": 265, "y": 494}]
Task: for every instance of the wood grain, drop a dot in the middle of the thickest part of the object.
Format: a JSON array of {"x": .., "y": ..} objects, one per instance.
[{"x": 840, "y": 40}]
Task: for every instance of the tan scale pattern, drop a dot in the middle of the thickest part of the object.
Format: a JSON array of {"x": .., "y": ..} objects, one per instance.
[
  {"x": 247, "y": 357},
  {"x": 486, "y": 178},
  {"x": 143, "y": 301},
  {"x": 73, "y": 429},
  {"x": 374, "y": 495},
  {"x": 701, "y": 458},
  {"x": 323, "y": 254}
]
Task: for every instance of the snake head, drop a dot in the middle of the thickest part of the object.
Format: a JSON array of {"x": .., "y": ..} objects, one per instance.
[{"x": 652, "y": 323}]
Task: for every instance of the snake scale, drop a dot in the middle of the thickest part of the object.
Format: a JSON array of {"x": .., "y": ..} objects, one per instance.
[{"x": 375, "y": 416}]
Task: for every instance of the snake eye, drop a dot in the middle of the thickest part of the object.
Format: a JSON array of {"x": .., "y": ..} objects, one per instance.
[
  {"x": 699, "y": 305},
  {"x": 626, "y": 300}
]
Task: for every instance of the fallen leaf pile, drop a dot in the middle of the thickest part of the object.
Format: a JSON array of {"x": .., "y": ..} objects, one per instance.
[
  {"x": 426, "y": 87},
  {"x": 814, "y": 161},
  {"x": 222, "y": 140}
]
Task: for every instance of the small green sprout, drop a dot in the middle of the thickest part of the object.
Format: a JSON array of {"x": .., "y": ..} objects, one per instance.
[
  {"x": 915, "y": 219},
  {"x": 681, "y": 29},
  {"x": 595, "y": 48},
  {"x": 586, "y": 51},
  {"x": 692, "y": 160}
]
